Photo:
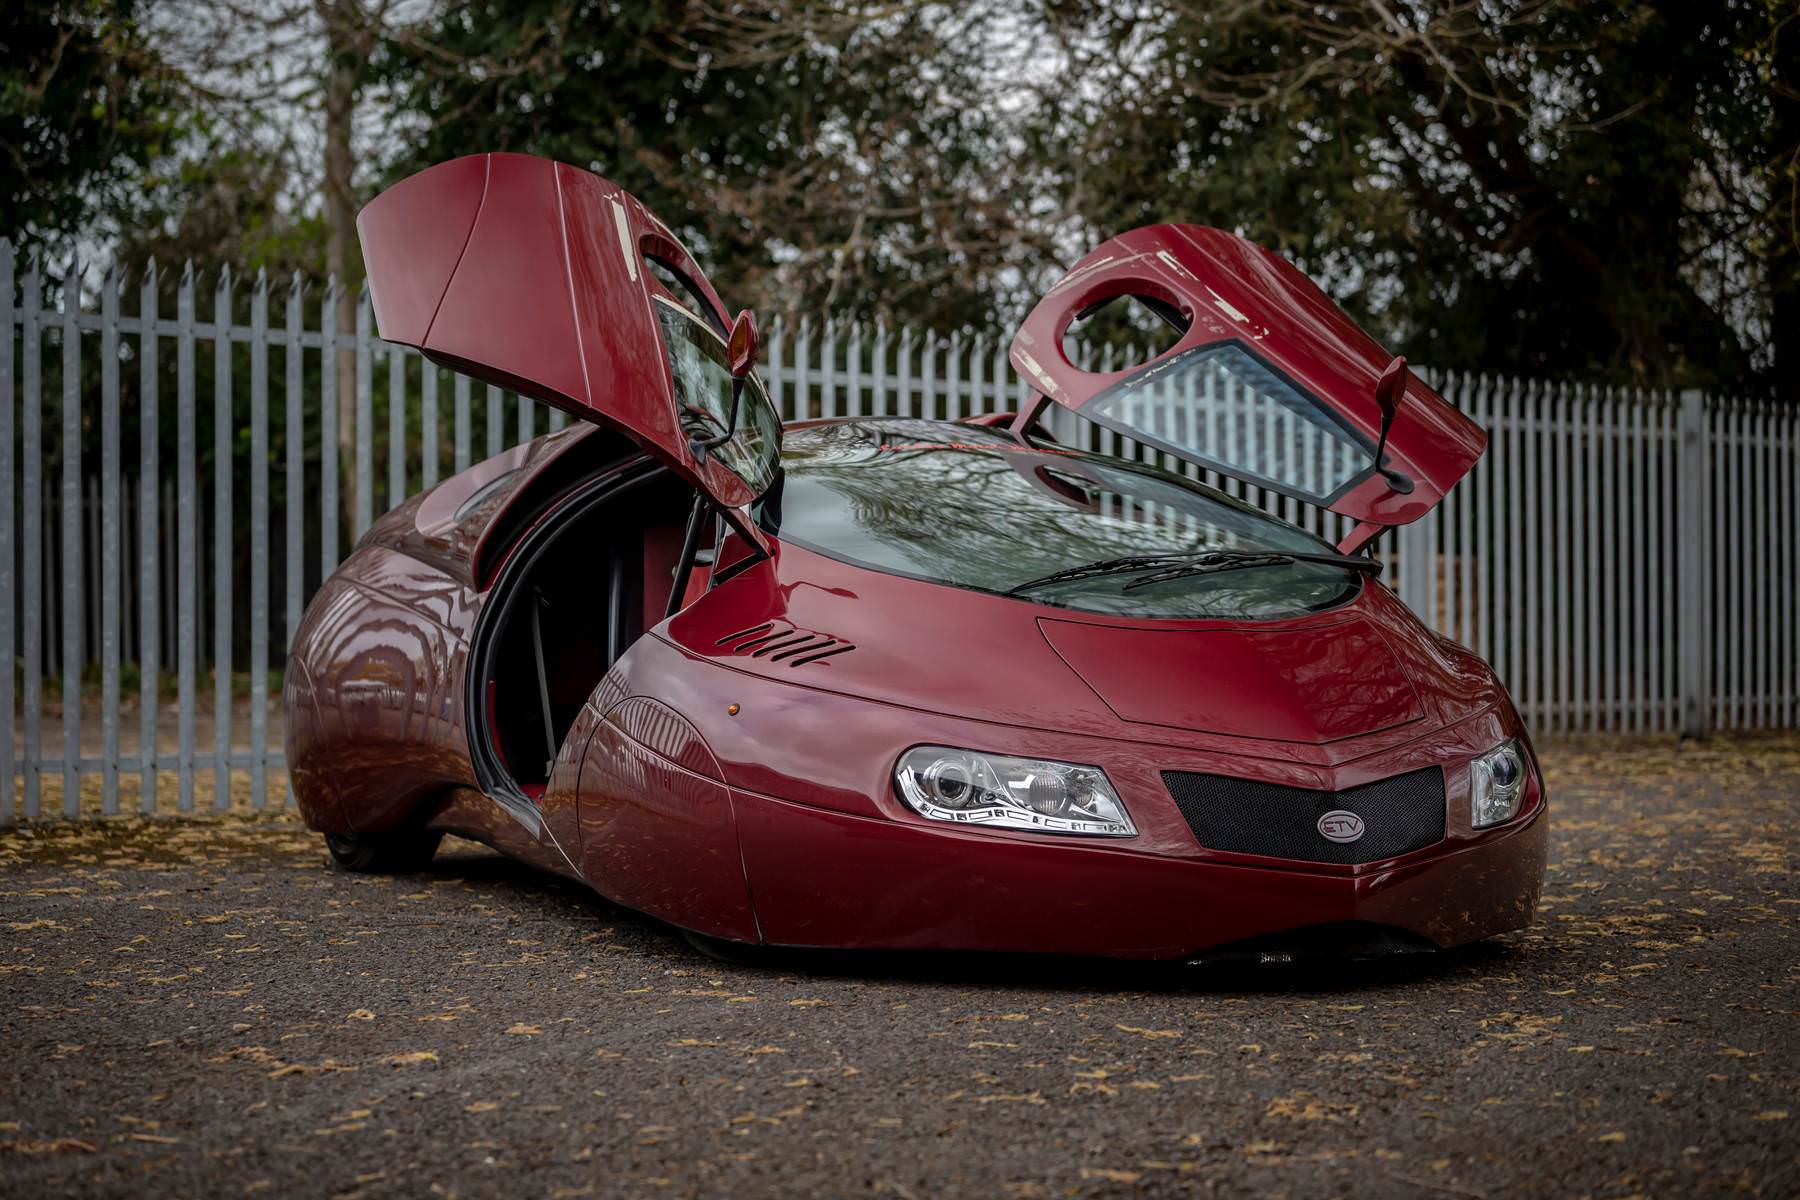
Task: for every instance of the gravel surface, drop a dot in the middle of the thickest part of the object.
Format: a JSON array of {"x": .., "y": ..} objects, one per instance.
[{"x": 205, "y": 1007}]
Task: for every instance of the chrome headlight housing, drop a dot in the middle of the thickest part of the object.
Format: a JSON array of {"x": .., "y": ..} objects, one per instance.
[
  {"x": 1496, "y": 785},
  {"x": 999, "y": 791}
]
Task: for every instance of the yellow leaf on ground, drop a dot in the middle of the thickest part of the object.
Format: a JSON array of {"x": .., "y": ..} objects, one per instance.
[
  {"x": 1110, "y": 1175},
  {"x": 410, "y": 1057}
]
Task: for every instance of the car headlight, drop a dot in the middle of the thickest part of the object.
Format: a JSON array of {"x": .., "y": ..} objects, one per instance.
[
  {"x": 1496, "y": 785},
  {"x": 999, "y": 791}
]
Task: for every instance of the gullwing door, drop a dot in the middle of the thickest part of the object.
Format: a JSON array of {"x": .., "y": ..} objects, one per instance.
[
  {"x": 541, "y": 277},
  {"x": 1268, "y": 380}
]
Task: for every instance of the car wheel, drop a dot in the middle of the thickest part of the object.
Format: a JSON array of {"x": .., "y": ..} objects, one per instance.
[
  {"x": 399, "y": 853},
  {"x": 738, "y": 954}
]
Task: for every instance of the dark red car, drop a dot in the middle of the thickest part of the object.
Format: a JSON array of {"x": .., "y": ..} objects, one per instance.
[{"x": 904, "y": 683}]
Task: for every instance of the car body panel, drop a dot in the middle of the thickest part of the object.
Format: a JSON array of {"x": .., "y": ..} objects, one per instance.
[
  {"x": 381, "y": 651},
  {"x": 829, "y": 879},
  {"x": 702, "y": 781},
  {"x": 534, "y": 275},
  {"x": 658, "y": 831},
  {"x": 1342, "y": 682},
  {"x": 815, "y": 813},
  {"x": 914, "y": 643},
  {"x": 1232, "y": 291}
]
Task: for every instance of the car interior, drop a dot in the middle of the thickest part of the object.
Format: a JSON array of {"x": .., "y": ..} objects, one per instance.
[{"x": 597, "y": 580}]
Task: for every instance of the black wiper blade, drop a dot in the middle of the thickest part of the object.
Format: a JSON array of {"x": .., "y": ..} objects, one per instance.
[
  {"x": 1242, "y": 560},
  {"x": 1104, "y": 566},
  {"x": 1199, "y": 561}
]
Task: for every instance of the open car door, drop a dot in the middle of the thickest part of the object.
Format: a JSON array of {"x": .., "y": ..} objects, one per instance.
[
  {"x": 1269, "y": 381},
  {"x": 547, "y": 279}
]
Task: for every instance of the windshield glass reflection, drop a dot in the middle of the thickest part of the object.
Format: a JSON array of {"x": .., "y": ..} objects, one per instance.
[{"x": 971, "y": 507}]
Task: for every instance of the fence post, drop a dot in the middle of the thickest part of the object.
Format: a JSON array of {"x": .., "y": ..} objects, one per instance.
[
  {"x": 8, "y": 578},
  {"x": 150, "y": 569},
  {"x": 72, "y": 599},
  {"x": 1416, "y": 563},
  {"x": 224, "y": 508},
  {"x": 1693, "y": 566}
]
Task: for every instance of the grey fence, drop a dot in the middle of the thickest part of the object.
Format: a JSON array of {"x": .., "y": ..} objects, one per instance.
[{"x": 1626, "y": 559}]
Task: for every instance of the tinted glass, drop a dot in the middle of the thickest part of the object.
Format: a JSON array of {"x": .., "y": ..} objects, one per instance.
[
  {"x": 697, "y": 363},
  {"x": 1223, "y": 406},
  {"x": 966, "y": 506},
  {"x": 683, "y": 289}
]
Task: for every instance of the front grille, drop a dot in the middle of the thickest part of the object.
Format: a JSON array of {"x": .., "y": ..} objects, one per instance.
[{"x": 1399, "y": 814}]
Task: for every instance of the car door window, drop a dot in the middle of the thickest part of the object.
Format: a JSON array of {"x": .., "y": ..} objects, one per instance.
[
  {"x": 703, "y": 386},
  {"x": 1222, "y": 406}
]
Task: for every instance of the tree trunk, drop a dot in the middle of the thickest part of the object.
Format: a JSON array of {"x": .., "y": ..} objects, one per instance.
[{"x": 341, "y": 32}]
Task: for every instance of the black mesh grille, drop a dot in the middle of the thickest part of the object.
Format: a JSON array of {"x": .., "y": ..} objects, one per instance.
[{"x": 1399, "y": 814}]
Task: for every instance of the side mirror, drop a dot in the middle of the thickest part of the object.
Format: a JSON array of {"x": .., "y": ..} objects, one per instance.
[
  {"x": 742, "y": 346},
  {"x": 1388, "y": 391}
]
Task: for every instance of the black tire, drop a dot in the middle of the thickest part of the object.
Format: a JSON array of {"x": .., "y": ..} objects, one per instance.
[
  {"x": 738, "y": 954},
  {"x": 402, "y": 852}
]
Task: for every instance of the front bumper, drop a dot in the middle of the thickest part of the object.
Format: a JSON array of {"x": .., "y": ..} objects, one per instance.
[{"x": 821, "y": 878}]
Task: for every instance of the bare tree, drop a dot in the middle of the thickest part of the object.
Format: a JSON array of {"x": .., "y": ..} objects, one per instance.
[{"x": 290, "y": 78}]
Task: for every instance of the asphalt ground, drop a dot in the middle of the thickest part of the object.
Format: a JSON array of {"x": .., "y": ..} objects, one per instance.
[{"x": 206, "y": 1007}]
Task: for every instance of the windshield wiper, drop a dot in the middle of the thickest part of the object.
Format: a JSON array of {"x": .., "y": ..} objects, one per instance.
[
  {"x": 1240, "y": 560},
  {"x": 1199, "y": 562}
]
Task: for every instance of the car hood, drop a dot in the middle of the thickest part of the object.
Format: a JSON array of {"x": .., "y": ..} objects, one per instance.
[
  {"x": 1333, "y": 681},
  {"x": 1324, "y": 688}
]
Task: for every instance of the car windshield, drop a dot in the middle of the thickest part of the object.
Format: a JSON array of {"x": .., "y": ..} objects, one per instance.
[{"x": 970, "y": 507}]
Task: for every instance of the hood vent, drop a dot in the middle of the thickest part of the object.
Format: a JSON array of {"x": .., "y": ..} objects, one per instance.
[{"x": 778, "y": 641}]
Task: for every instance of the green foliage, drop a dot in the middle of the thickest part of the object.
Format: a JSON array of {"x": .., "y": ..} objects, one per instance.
[
  {"x": 87, "y": 108},
  {"x": 814, "y": 155},
  {"x": 226, "y": 203},
  {"x": 1546, "y": 186},
  {"x": 1589, "y": 187}
]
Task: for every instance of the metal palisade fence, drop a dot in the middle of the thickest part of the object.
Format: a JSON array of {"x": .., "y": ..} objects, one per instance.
[{"x": 181, "y": 467}]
